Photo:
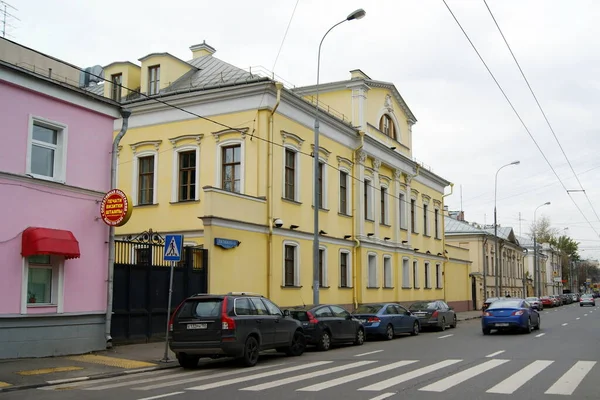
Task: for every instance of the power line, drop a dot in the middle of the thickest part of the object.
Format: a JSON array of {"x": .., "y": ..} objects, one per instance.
[
  {"x": 540, "y": 107},
  {"x": 517, "y": 114}
]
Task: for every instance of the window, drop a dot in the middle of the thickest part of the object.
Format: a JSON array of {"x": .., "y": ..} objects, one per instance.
[
  {"x": 368, "y": 199},
  {"x": 427, "y": 276},
  {"x": 345, "y": 269},
  {"x": 391, "y": 310},
  {"x": 290, "y": 174},
  {"x": 321, "y": 185},
  {"x": 322, "y": 267},
  {"x": 142, "y": 255},
  {"x": 405, "y": 273},
  {"x": 387, "y": 272},
  {"x": 42, "y": 282},
  {"x": 412, "y": 216},
  {"x": 425, "y": 219},
  {"x": 145, "y": 180},
  {"x": 323, "y": 312},
  {"x": 117, "y": 81},
  {"x": 187, "y": 175},
  {"x": 339, "y": 312},
  {"x": 386, "y": 125},
  {"x": 46, "y": 152},
  {"x": 273, "y": 309},
  {"x": 231, "y": 165},
  {"x": 437, "y": 223},
  {"x": 242, "y": 306},
  {"x": 344, "y": 193},
  {"x": 384, "y": 203},
  {"x": 260, "y": 307},
  {"x": 402, "y": 211},
  {"x": 290, "y": 265},
  {"x": 415, "y": 274},
  {"x": 372, "y": 265},
  {"x": 153, "y": 79}
]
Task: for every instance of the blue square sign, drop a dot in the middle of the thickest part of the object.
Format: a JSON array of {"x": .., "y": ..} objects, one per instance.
[{"x": 173, "y": 247}]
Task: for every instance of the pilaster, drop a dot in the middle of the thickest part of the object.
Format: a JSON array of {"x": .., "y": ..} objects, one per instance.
[
  {"x": 361, "y": 158},
  {"x": 377, "y": 196}
]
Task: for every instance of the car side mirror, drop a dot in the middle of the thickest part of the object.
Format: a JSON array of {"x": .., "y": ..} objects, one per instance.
[
  {"x": 349, "y": 316},
  {"x": 407, "y": 313},
  {"x": 451, "y": 308},
  {"x": 286, "y": 313}
]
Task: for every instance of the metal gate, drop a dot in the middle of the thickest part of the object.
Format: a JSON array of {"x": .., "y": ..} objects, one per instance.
[{"x": 141, "y": 285}]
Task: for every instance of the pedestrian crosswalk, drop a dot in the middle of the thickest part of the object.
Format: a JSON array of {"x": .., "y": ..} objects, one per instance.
[{"x": 501, "y": 376}]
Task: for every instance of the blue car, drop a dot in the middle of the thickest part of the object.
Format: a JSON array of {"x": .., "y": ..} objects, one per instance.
[
  {"x": 387, "y": 319},
  {"x": 510, "y": 314}
]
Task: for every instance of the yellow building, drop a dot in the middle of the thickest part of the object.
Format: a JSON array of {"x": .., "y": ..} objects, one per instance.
[{"x": 225, "y": 158}]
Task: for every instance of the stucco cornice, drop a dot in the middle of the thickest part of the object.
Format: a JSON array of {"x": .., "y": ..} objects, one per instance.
[
  {"x": 174, "y": 141},
  {"x": 155, "y": 143}
]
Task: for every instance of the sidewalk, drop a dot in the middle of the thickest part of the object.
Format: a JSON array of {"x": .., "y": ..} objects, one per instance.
[
  {"x": 468, "y": 315},
  {"x": 29, "y": 373}
]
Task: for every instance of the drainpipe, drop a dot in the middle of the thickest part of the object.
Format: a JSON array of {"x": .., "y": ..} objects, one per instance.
[
  {"x": 270, "y": 195},
  {"x": 111, "y": 230},
  {"x": 446, "y": 258},
  {"x": 355, "y": 251},
  {"x": 485, "y": 269}
]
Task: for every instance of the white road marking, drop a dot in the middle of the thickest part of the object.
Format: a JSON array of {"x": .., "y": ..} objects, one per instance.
[
  {"x": 578, "y": 318},
  {"x": 160, "y": 396},
  {"x": 68, "y": 380},
  {"x": 281, "y": 382},
  {"x": 445, "y": 336},
  {"x": 114, "y": 379},
  {"x": 567, "y": 383},
  {"x": 383, "y": 396},
  {"x": 540, "y": 335},
  {"x": 409, "y": 375},
  {"x": 370, "y": 352},
  {"x": 258, "y": 376},
  {"x": 349, "y": 378},
  {"x": 138, "y": 370},
  {"x": 565, "y": 324},
  {"x": 519, "y": 378},
  {"x": 585, "y": 315},
  {"x": 495, "y": 354},
  {"x": 462, "y": 376}
]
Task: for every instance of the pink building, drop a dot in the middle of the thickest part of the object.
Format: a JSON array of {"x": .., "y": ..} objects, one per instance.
[{"x": 54, "y": 170}]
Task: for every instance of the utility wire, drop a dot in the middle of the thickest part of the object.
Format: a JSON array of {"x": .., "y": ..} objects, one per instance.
[
  {"x": 518, "y": 115},
  {"x": 541, "y": 109}
]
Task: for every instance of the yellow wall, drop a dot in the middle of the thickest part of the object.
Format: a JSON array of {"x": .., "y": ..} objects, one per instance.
[
  {"x": 130, "y": 78},
  {"x": 171, "y": 69},
  {"x": 458, "y": 282}
]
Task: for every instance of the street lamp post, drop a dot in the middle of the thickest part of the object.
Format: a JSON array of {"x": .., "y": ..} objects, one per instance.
[
  {"x": 536, "y": 269},
  {"x": 498, "y": 269},
  {"x": 358, "y": 14}
]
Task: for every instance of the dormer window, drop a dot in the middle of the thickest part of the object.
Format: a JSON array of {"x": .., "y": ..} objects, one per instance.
[
  {"x": 386, "y": 125},
  {"x": 153, "y": 79},
  {"x": 117, "y": 81}
]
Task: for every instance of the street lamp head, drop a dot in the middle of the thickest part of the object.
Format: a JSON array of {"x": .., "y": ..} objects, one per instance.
[
  {"x": 515, "y": 163},
  {"x": 547, "y": 203},
  {"x": 358, "y": 14}
]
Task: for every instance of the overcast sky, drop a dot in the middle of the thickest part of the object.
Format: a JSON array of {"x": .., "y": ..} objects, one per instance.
[{"x": 465, "y": 131}]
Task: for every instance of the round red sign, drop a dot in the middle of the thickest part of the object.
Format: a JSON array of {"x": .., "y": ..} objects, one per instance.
[{"x": 115, "y": 208}]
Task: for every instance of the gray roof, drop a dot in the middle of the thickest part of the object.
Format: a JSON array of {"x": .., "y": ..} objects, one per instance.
[
  {"x": 96, "y": 89},
  {"x": 454, "y": 226},
  {"x": 525, "y": 241}
]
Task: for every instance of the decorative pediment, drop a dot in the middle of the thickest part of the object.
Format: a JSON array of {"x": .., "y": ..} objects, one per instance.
[
  {"x": 376, "y": 164},
  {"x": 403, "y": 186},
  {"x": 155, "y": 143},
  {"x": 176, "y": 140},
  {"x": 437, "y": 203},
  {"x": 414, "y": 194},
  {"x": 323, "y": 152},
  {"x": 291, "y": 138},
  {"x": 386, "y": 180},
  {"x": 426, "y": 198},
  {"x": 344, "y": 163},
  {"x": 240, "y": 131}
]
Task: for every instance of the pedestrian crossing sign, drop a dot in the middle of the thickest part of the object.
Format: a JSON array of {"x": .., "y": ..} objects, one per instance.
[{"x": 173, "y": 247}]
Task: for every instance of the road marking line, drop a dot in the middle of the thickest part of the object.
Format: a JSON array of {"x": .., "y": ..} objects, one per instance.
[
  {"x": 519, "y": 378},
  {"x": 105, "y": 380},
  {"x": 495, "y": 354},
  {"x": 585, "y": 315},
  {"x": 258, "y": 376},
  {"x": 281, "y": 382},
  {"x": 160, "y": 396},
  {"x": 577, "y": 318},
  {"x": 540, "y": 335},
  {"x": 445, "y": 336},
  {"x": 383, "y": 396},
  {"x": 111, "y": 361},
  {"x": 349, "y": 378},
  {"x": 462, "y": 376},
  {"x": 565, "y": 324},
  {"x": 409, "y": 375},
  {"x": 366, "y": 354},
  {"x": 567, "y": 383},
  {"x": 197, "y": 378},
  {"x": 138, "y": 370},
  {"x": 68, "y": 380},
  {"x": 43, "y": 371},
  {"x": 140, "y": 381}
]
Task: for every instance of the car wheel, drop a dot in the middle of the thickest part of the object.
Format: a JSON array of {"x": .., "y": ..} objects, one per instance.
[
  {"x": 443, "y": 325},
  {"x": 454, "y": 322},
  {"x": 529, "y": 327},
  {"x": 415, "y": 329},
  {"x": 359, "y": 339},
  {"x": 389, "y": 332},
  {"x": 251, "y": 350},
  {"x": 298, "y": 345},
  {"x": 324, "y": 341},
  {"x": 486, "y": 331},
  {"x": 188, "y": 362},
  {"x": 539, "y": 324},
  {"x": 581, "y": 305}
]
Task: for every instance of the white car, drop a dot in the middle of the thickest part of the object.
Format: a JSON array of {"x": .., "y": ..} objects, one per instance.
[{"x": 587, "y": 300}]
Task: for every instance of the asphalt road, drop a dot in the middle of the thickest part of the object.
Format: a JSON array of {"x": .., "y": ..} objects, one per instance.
[{"x": 559, "y": 360}]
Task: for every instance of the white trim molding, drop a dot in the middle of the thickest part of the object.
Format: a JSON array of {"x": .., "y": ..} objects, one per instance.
[
  {"x": 406, "y": 266},
  {"x": 370, "y": 206},
  {"x": 325, "y": 277},
  {"x": 348, "y": 192},
  {"x": 372, "y": 275},
  {"x": 415, "y": 274},
  {"x": 348, "y": 267},
  {"x": 155, "y": 143},
  {"x": 135, "y": 179},
  {"x": 323, "y": 153},
  {"x": 242, "y": 132},
  {"x": 59, "y": 164},
  {"x": 386, "y": 202},
  {"x": 175, "y": 174},
  {"x": 324, "y": 182},
  {"x": 296, "y": 246},
  {"x": 291, "y": 139},
  {"x": 219, "y": 167},
  {"x": 197, "y": 137},
  {"x": 56, "y": 265},
  {"x": 297, "y": 182},
  {"x": 388, "y": 281},
  {"x": 427, "y": 270}
]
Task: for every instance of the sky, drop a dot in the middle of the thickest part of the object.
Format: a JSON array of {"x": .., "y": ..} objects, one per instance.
[{"x": 466, "y": 129}]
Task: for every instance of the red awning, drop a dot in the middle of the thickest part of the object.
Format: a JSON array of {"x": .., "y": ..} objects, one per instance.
[{"x": 55, "y": 242}]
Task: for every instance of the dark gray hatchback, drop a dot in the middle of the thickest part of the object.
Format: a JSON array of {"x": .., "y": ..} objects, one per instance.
[{"x": 238, "y": 325}]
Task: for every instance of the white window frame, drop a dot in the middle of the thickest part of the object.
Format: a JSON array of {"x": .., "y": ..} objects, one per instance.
[
  {"x": 438, "y": 276},
  {"x": 219, "y": 167},
  {"x": 427, "y": 275},
  {"x": 297, "y": 185},
  {"x": 415, "y": 266},
  {"x": 406, "y": 282},
  {"x": 348, "y": 193},
  {"x": 388, "y": 272},
  {"x": 370, "y": 204},
  {"x": 135, "y": 180},
  {"x": 325, "y": 182},
  {"x": 296, "y": 262},
  {"x": 348, "y": 267},
  {"x": 375, "y": 274},
  {"x": 436, "y": 222},
  {"x": 426, "y": 220},
  {"x": 57, "y": 291},
  {"x": 402, "y": 216},
  {"x": 60, "y": 149},
  {"x": 414, "y": 227},
  {"x": 325, "y": 277},
  {"x": 175, "y": 181},
  {"x": 386, "y": 203}
]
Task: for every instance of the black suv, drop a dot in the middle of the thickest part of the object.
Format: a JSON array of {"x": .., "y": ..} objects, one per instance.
[{"x": 236, "y": 325}]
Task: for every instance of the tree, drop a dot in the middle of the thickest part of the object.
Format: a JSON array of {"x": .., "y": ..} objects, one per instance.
[
  {"x": 568, "y": 252},
  {"x": 543, "y": 230},
  {"x": 585, "y": 270}
]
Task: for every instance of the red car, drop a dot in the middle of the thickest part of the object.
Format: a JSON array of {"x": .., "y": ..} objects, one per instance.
[{"x": 547, "y": 301}]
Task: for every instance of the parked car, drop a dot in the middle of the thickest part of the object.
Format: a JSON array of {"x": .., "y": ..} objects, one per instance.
[
  {"x": 547, "y": 301},
  {"x": 434, "y": 314},
  {"x": 587, "y": 300},
  {"x": 510, "y": 314},
  {"x": 238, "y": 325},
  {"x": 556, "y": 300},
  {"x": 325, "y": 325},
  {"x": 489, "y": 301},
  {"x": 387, "y": 319},
  {"x": 535, "y": 303}
]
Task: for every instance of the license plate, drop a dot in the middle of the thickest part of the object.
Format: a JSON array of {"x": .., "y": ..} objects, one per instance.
[
  {"x": 196, "y": 326},
  {"x": 502, "y": 324}
]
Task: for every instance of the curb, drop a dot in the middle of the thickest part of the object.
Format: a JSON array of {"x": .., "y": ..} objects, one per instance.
[
  {"x": 470, "y": 318},
  {"x": 86, "y": 378}
]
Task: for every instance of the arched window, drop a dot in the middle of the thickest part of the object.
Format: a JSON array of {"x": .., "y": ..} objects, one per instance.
[{"x": 386, "y": 125}]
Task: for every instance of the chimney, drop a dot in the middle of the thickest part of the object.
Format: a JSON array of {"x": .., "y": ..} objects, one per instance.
[
  {"x": 201, "y": 50},
  {"x": 357, "y": 74}
]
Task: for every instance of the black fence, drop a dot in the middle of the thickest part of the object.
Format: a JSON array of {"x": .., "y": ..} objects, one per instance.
[{"x": 141, "y": 286}]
